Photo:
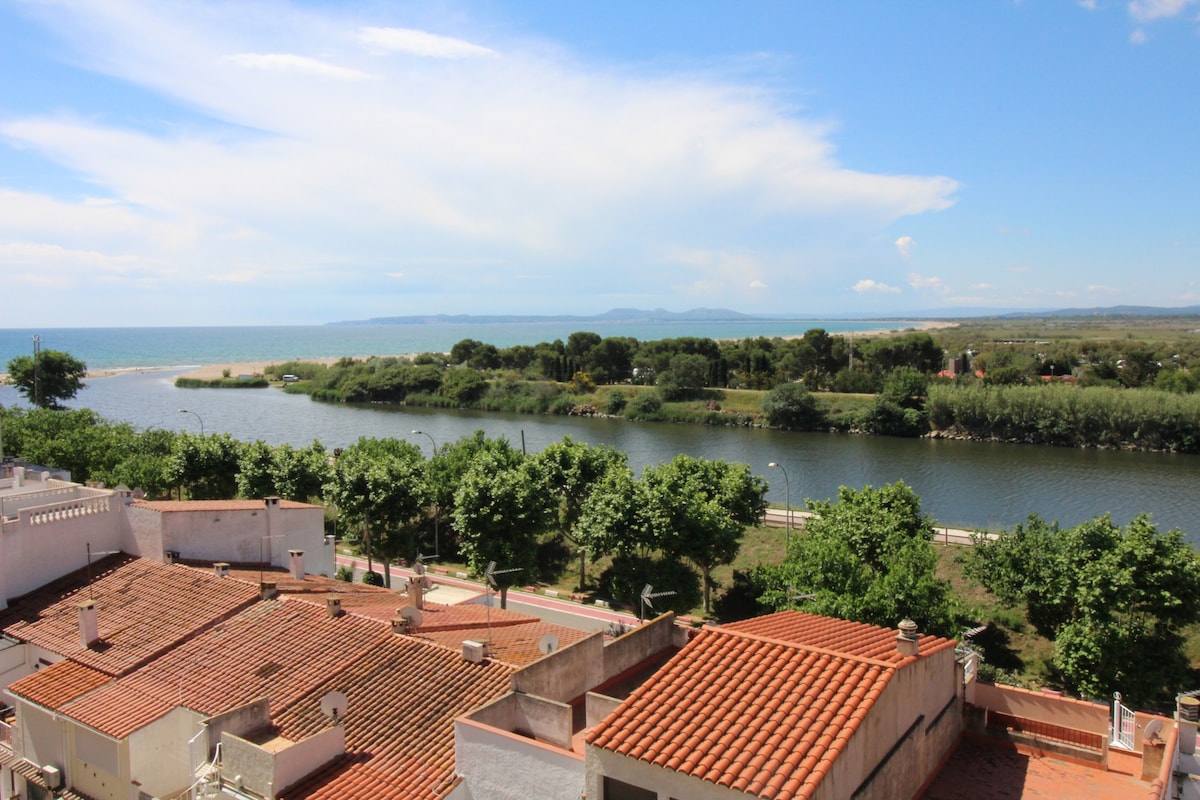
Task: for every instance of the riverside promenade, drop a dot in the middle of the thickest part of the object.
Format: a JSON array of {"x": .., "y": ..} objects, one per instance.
[{"x": 777, "y": 517}]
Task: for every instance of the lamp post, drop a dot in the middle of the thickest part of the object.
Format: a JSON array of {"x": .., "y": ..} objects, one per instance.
[
  {"x": 787, "y": 536},
  {"x": 185, "y": 411},
  {"x": 437, "y": 544}
]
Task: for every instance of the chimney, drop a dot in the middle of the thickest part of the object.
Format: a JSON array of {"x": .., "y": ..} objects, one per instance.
[
  {"x": 908, "y": 641},
  {"x": 221, "y": 569},
  {"x": 296, "y": 564},
  {"x": 267, "y": 590},
  {"x": 1189, "y": 715},
  {"x": 89, "y": 624},
  {"x": 18, "y": 477},
  {"x": 333, "y": 606},
  {"x": 170, "y": 556}
]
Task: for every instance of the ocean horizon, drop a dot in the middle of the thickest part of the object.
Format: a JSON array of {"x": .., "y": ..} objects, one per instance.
[{"x": 189, "y": 346}]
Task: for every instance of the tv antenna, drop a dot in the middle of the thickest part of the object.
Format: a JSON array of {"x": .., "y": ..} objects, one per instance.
[
  {"x": 489, "y": 582},
  {"x": 101, "y": 554},
  {"x": 334, "y": 705},
  {"x": 648, "y": 594},
  {"x": 548, "y": 644}
]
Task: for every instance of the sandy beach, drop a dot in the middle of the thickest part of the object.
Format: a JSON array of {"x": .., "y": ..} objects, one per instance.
[{"x": 213, "y": 371}]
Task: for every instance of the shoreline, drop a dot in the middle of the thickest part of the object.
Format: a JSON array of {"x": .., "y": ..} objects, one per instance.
[{"x": 208, "y": 372}]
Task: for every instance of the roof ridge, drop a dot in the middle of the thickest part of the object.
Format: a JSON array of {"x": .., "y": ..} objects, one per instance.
[{"x": 812, "y": 648}]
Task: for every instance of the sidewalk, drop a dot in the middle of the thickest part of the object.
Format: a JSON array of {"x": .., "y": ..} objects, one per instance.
[{"x": 942, "y": 535}]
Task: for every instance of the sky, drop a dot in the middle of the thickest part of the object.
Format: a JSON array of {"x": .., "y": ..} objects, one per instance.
[{"x": 267, "y": 162}]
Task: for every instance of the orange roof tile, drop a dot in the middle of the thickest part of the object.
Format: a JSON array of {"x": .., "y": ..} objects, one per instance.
[
  {"x": 403, "y": 699},
  {"x": 58, "y": 684},
  {"x": 214, "y": 505},
  {"x": 143, "y": 609},
  {"x": 763, "y": 706},
  {"x": 275, "y": 649},
  {"x": 514, "y": 643}
]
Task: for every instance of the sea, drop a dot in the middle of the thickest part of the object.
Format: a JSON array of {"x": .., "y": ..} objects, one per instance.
[{"x": 156, "y": 348}]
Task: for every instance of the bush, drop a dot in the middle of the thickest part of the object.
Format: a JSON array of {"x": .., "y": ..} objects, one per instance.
[
  {"x": 791, "y": 406},
  {"x": 373, "y": 578},
  {"x": 623, "y": 582},
  {"x": 615, "y": 402},
  {"x": 345, "y": 574}
]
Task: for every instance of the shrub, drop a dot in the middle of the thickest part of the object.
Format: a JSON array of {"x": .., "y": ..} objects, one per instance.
[
  {"x": 345, "y": 574},
  {"x": 645, "y": 406},
  {"x": 373, "y": 578},
  {"x": 791, "y": 406},
  {"x": 615, "y": 403}
]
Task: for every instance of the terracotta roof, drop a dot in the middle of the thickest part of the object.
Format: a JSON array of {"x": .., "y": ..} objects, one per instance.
[
  {"x": 762, "y": 707},
  {"x": 275, "y": 649},
  {"x": 403, "y": 698},
  {"x": 58, "y": 684},
  {"x": 143, "y": 609},
  {"x": 512, "y": 644},
  {"x": 856, "y": 639},
  {"x": 215, "y": 505}
]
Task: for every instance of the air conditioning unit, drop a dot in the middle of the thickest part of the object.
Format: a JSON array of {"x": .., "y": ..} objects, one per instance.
[
  {"x": 52, "y": 775},
  {"x": 474, "y": 651}
]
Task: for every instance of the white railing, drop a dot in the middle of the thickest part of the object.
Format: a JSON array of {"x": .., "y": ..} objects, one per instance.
[
  {"x": 60, "y": 511},
  {"x": 1124, "y": 725}
]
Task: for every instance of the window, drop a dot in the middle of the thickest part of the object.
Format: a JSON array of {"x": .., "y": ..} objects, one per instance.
[{"x": 619, "y": 790}]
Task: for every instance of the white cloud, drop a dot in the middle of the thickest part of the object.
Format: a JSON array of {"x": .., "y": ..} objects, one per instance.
[
  {"x": 1090, "y": 5},
  {"x": 981, "y": 287},
  {"x": 1101, "y": 289},
  {"x": 1138, "y": 37},
  {"x": 868, "y": 286},
  {"x": 932, "y": 284},
  {"x": 1149, "y": 10},
  {"x": 298, "y": 65},
  {"x": 420, "y": 43},
  {"x": 905, "y": 245},
  {"x": 396, "y": 275},
  {"x": 296, "y": 171}
]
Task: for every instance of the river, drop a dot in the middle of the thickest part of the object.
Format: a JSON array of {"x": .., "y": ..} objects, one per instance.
[{"x": 961, "y": 484}]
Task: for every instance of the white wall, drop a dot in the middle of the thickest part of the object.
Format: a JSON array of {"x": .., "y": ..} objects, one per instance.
[
  {"x": 497, "y": 765},
  {"x": 41, "y": 736},
  {"x": 159, "y": 756}
]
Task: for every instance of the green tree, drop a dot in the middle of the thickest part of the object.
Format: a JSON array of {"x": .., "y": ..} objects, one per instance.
[
  {"x": 1114, "y": 600},
  {"x": 698, "y": 509},
  {"x": 207, "y": 466},
  {"x": 572, "y": 470},
  {"x": 49, "y": 378},
  {"x": 379, "y": 488},
  {"x": 867, "y": 557},
  {"x": 500, "y": 511},
  {"x": 791, "y": 406},
  {"x": 446, "y": 469}
]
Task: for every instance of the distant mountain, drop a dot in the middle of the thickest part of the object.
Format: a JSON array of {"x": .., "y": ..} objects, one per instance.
[
  {"x": 1114, "y": 311},
  {"x": 616, "y": 315}
]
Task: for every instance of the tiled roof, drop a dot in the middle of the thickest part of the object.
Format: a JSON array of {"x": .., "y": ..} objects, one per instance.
[
  {"x": 143, "y": 609},
  {"x": 275, "y": 649},
  {"x": 403, "y": 698},
  {"x": 58, "y": 684},
  {"x": 514, "y": 643},
  {"x": 215, "y": 505},
  {"x": 856, "y": 639},
  {"x": 763, "y": 707}
]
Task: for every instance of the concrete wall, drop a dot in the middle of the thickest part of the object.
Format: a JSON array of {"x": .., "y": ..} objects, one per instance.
[
  {"x": 668, "y": 783},
  {"x": 545, "y": 720},
  {"x": 159, "y": 757},
  {"x": 599, "y": 706},
  {"x": 12, "y": 663},
  {"x": 96, "y": 764},
  {"x": 240, "y": 721},
  {"x": 912, "y": 706},
  {"x": 46, "y": 542},
  {"x": 236, "y": 536},
  {"x": 641, "y": 643},
  {"x": 1080, "y": 715},
  {"x": 497, "y": 765},
  {"x": 41, "y": 736},
  {"x": 266, "y": 773},
  {"x": 567, "y": 673}
]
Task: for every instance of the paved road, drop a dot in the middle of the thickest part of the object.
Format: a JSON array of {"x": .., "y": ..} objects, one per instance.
[{"x": 778, "y": 517}]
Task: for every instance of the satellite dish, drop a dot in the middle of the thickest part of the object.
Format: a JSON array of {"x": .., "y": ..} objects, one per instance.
[
  {"x": 413, "y": 616},
  {"x": 334, "y": 706},
  {"x": 548, "y": 644},
  {"x": 1152, "y": 730}
]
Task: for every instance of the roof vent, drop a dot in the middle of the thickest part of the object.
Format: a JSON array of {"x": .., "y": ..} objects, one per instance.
[
  {"x": 908, "y": 641},
  {"x": 333, "y": 606},
  {"x": 296, "y": 564},
  {"x": 474, "y": 651},
  {"x": 89, "y": 624},
  {"x": 221, "y": 569}
]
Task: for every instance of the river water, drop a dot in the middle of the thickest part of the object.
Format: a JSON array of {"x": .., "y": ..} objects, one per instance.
[{"x": 961, "y": 484}]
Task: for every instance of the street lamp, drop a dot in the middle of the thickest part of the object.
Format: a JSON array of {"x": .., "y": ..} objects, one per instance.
[
  {"x": 787, "y": 536},
  {"x": 185, "y": 411},
  {"x": 437, "y": 544}
]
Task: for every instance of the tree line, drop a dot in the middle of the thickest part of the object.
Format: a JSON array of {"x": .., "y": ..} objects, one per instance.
[{"x": 1115, "y": 601}]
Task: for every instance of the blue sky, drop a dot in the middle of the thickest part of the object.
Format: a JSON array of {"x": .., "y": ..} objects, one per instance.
[{"x": 255, "y": 162}]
